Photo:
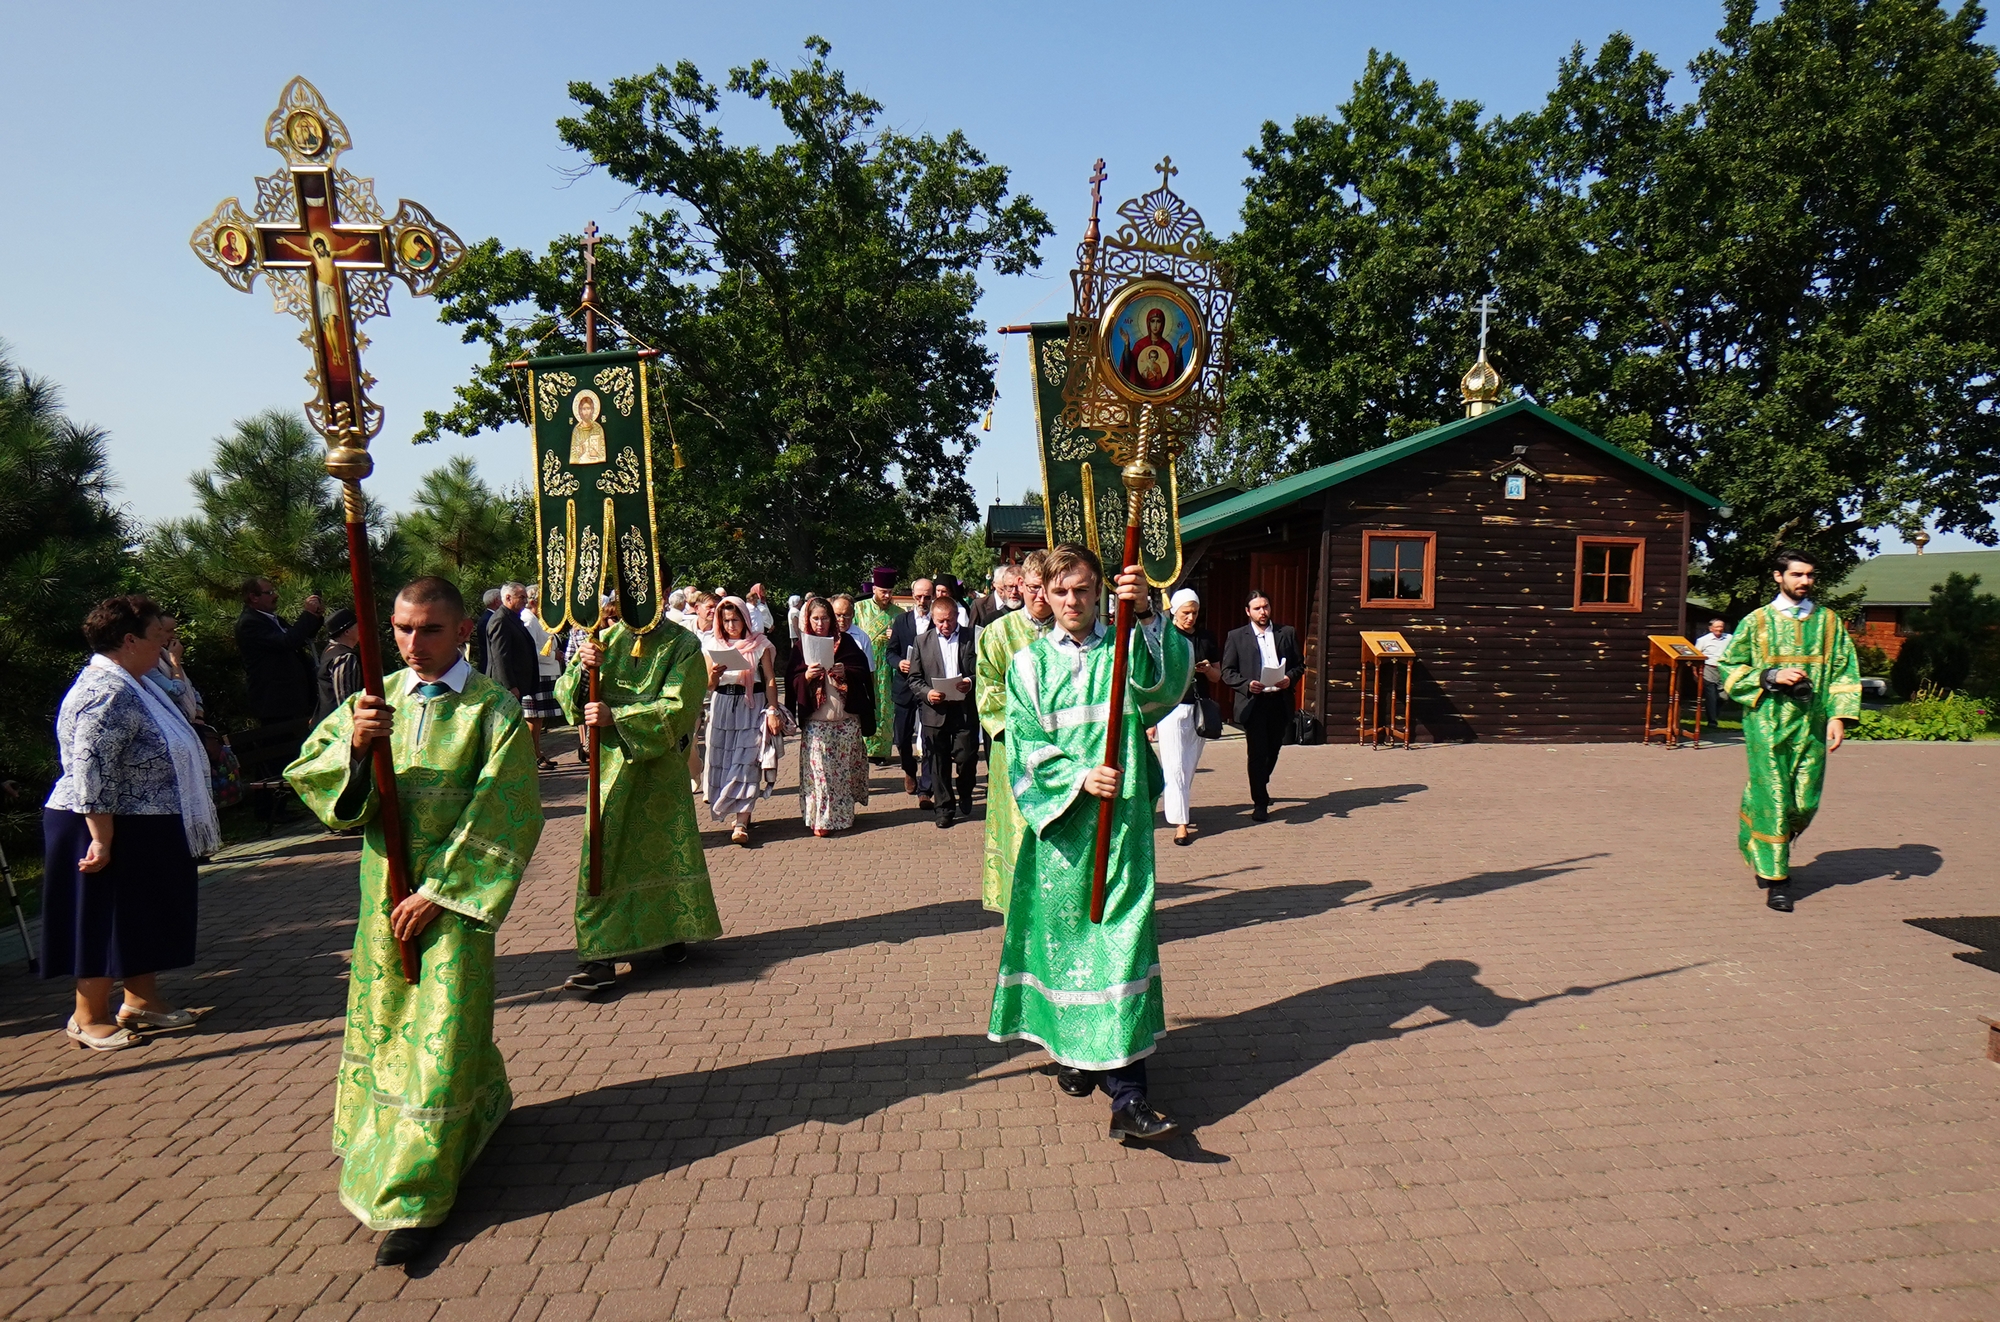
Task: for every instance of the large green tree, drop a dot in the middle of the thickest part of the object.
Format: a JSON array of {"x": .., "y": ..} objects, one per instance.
[
  {"x": 266, "y": 507},
  {"x": 1783, "y": 290},
  {"x": 63, "y": 548},
  {"x": 813, "y": 300},
  {"x": 464, "y": 530}
]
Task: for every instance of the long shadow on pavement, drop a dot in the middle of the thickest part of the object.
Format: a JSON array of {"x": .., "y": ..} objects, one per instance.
[
  {"x": 1217, "y": 819},
  {"x": 556, "y": 1154},
  {"x": 1851, "y": 867},
  {"x": 1479, "y": 883}
]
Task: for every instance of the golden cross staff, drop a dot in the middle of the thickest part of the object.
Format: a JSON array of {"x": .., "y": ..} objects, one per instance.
[
  {"x": 327, "y": 252},
  {"x": 1147, "y": 356}
]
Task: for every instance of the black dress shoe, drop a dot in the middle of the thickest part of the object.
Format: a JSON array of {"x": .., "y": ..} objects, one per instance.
[
  {"x": 945, "y": 819},
  {"x": 1140, "y": 1123},
  {"x": 1777, "y": 899},
  {"x": 1260, "y": 814},
  {"x": 405, "y": 1245},
  {"x": 596, "y": 976},
  {"x": 677, "y": 953},
  {"x": 1075, "y": 1082}
]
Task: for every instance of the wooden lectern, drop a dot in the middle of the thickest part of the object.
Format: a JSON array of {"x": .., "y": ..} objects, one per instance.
[
  {"x": 1678, "y": 657},
  {"x": 1381, "y": 654}
]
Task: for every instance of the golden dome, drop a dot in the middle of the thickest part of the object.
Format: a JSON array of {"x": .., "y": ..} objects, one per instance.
[{"x": 1479, "y": 387}]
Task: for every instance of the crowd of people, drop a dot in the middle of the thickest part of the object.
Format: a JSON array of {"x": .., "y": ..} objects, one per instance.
[{"x": 693, "y": 707}]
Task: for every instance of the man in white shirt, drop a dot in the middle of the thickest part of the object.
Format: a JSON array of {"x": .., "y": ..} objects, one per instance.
[
  {"x": 1711, "y": 645},
  {"x": 538, "y": 704},
  {"x": 761, "y": 618}
]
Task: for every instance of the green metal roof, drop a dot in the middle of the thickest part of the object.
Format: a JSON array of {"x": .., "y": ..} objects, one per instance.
[
  {"x": 1013, "y": 523},
  {"x": 1907, "y": 579},
  {"x": 1255, "y": 504}
]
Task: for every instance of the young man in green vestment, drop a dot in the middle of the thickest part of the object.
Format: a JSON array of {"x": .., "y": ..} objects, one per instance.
[
  {"x": 422, "y": 1086},
  {"x": 1792, "y": 669},
  {"x": 654, "y": 878},
  {"x": 875, "y": 616},
  {"x": 998, "y": 644},
  {"x": 1088, "y": 992}
]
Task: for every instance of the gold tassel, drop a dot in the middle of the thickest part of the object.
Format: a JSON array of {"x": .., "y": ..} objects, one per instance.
[
  {"x": 988, "y": 424},
  {"x": 548, "y": 645},
  {"x": 679, "y": 461},
  {"x": 638, "y": 642}
]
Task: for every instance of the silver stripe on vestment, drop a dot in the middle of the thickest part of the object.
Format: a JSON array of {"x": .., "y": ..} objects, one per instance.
[{"x": 1105, "y": 996}]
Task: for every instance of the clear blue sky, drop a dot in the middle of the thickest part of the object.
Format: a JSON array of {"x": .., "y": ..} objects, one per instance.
[{"x": 122, "y": 125}]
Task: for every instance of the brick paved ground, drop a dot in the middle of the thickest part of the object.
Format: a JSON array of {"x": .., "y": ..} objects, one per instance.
[{"x": 1491, "y": 1032}]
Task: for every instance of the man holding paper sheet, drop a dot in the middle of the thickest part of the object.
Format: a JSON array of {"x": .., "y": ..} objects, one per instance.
[
  {"x": 1262, "y": 663},
  {"x": 941, "y": 678}
]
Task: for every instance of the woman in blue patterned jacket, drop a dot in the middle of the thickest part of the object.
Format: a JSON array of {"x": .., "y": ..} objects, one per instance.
[{"x": 122, "y": 830}]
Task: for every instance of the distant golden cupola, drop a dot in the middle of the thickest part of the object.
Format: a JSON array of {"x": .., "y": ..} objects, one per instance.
[{"x": 1480, "y": 386}]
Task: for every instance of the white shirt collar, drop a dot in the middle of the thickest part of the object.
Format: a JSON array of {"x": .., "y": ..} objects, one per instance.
[
  {"x": 1063, "y": 638},
  {"x": 1786, "y": 606},
  {"x": 453, "y": 679}
]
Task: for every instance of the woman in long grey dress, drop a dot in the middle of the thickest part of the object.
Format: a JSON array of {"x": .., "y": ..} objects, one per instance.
[
  {"x": 743, "y": 704},
  {"x": 122, "y": 830}
]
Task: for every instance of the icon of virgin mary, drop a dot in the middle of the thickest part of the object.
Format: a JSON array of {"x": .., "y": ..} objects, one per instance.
[
  {"x": 586, "y": 437},
  {"x": 1152, "y": 363}
]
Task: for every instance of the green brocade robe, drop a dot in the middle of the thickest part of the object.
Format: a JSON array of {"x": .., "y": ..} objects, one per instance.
[
  {"x": 998, "y": 644},
  {"x": 876, "y": 621},
  {"x": 655, "y": 879},
  {"x": 1089, "y": 993},
  {"x": 422, "y": 1086},
  {"x": 1785, "y": 738}
]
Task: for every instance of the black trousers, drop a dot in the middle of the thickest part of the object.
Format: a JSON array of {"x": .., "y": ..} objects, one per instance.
[
  {"x": 1711, "y": 702},
  {"x": 1263, "y": 721},
  {"x": 906, "y": 748},
  {"x": 953, "y": 755},
  {"x": 1124, "y": 1085}
]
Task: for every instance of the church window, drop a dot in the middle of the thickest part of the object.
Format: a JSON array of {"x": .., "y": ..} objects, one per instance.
[
  {"x": 1397, "y": 569},
  {"x": 1610, "y": 573}
]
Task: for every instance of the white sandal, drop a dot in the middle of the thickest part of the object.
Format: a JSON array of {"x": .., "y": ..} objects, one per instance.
[
  {"x": 157, "y": 1021},
  {"x": 116, "y": 1040}
]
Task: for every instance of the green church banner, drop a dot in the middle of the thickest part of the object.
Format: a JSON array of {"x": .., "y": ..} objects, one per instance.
[
  {"x": 1083, "y": 496},
  {"x": 594, "y": 520}
]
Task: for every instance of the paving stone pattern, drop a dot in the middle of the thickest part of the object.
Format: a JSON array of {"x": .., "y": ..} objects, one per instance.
[{"x": 1468, "y": 1032}]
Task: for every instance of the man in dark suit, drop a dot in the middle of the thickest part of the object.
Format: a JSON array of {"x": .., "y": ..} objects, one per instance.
[
  {"x": 511, "y": 660},
  {"x": 277, "y": 657},
  {"x": 896, "y": 659},
  {"x": 1262, "y": 710},
  {"x": 942, "y": 679},
  {"x": 1005, "y": 596}
]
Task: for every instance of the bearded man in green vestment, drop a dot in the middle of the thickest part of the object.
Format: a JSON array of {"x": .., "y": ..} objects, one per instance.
[
  {"x": 654, "y": 878},
  {"x": 422, "y": 1086},
  {"x": 1088, "y": 992},
  {"x": 875, "y": 616},
  {"x": 998, "y": 644},
  {"x": 1792, "y": 669}
]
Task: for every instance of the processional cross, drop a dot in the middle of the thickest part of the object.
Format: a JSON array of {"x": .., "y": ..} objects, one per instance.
[{"x": 328, "y": 251}]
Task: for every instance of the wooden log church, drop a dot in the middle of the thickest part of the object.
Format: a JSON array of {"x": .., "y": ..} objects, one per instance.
[{"x": 1524, "y": 560}]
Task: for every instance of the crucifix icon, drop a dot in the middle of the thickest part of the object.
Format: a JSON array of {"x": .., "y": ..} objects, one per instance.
[
  {"x": 590, "y": 242},
  {"x": 1167, "y": 170},
  {"x": 327, "y": 251}
]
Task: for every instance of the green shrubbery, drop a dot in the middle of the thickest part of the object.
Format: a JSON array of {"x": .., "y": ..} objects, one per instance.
[{"x": 1934, "y": 714}]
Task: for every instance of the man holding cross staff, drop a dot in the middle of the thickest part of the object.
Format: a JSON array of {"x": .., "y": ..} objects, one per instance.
[
  {"x": 435, "y": 762},
  {"x": 1086, "y": 990}
]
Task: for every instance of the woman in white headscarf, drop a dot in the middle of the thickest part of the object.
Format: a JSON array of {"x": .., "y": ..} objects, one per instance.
[
  {"x": 744, "y": 719},
  {"x": 1180, "y": 746}
]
